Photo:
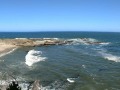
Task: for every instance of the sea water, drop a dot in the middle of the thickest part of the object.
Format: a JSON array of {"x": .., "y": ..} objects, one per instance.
[{"x": 76, "y": 66}]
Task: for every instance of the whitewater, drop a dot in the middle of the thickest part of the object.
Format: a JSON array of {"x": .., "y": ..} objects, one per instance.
[
  {"x": 90, "y": 61},
  {"x": 33, "y": 57}
]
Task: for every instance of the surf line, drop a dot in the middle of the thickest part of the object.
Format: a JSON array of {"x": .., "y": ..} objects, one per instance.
[{"x": 6, "y": 52}]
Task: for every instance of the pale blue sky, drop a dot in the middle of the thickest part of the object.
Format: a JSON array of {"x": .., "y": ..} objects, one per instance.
[{"x": 54, "y": 15}]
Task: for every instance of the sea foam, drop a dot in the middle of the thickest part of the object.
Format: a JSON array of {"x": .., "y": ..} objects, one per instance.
[
  {"x": 34, "y": 56},
  {"x": 86, "y": 41},
  {"x": 71, "y": 80},
  {"x": 112, "y": 57},
  {"x": 109, "y": 56}
]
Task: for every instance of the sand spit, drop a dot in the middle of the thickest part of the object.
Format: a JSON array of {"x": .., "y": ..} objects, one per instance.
[
  {"x": 6, "y": 49},
  {"x": 30, "y": 42},
  {"x": 7, "y": 45}
]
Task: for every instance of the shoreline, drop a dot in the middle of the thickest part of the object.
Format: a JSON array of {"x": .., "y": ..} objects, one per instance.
[
  {"x": 9, "y": 45},
  {"x": 6, "y": 49}
]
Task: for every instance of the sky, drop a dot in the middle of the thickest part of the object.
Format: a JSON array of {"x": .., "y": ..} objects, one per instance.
[{"x": 60, "y": 15}]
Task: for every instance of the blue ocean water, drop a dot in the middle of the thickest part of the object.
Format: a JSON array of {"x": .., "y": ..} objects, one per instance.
[{"x": 76, "y": 66}]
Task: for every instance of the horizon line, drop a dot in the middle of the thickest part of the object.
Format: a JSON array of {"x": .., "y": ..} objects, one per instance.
[{"x": 56, "y": 31}]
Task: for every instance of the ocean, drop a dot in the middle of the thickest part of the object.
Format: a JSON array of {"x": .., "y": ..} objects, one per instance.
[{"x": 75, "y": 66}]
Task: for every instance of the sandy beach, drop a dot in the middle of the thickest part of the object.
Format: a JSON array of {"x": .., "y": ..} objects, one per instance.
[{"x": 5, "y": 49}]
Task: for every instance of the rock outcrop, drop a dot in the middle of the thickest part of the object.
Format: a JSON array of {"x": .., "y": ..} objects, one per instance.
[
  {"x": 44, "y": 41},
  {"x": 31, "y": 42}
]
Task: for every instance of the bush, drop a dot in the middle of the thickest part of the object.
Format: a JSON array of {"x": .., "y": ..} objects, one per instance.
[{"x": 13, "y": 86}]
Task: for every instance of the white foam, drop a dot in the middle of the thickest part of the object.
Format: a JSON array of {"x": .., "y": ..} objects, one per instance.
[
  {"x": 71, "y": 80},
  {"x": 84, "y": 66},
  {"x": 24, "y": 86},
  {"x": 6, "y": 82},
  {"x": 33, "y": 57},
  {"x": 86, "y": 41},
  {"x": 104, "y": 43},
  {"x": 112, "y": 57},
  {"x": 21, "y": 38},
  {"x": 51, "y": 38},
  {"x": 3, "y": 82},
  {"x": 77, "y": 41},
  {"x": 56, "y": 38},
  {"x": 109, "y": 56}
]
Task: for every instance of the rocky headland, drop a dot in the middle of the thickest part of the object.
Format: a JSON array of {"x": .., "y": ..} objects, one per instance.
[{"x": 7, "y": 45}]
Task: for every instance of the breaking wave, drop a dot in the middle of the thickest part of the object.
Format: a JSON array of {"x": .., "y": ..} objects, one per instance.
[
  {"x": 33, "y": 57},
  {"x": 86, "y": 41},
  {"x": 110, "y": 56}
]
